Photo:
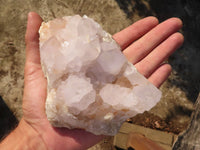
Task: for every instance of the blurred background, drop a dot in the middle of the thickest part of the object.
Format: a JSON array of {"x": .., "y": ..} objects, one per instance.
[{"x": 179, "y": 91}]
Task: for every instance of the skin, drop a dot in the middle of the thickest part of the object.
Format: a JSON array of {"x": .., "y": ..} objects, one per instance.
[{"x": 146, "y": 43}]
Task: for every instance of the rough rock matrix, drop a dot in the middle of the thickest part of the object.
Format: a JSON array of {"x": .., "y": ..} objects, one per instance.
[{"x": 91, "y": 85}]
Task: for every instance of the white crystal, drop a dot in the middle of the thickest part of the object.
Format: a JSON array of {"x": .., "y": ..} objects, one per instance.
[{"x": 91, "y": 85}]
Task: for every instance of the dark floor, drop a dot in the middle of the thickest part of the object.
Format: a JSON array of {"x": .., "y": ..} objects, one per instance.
[{"x": 8, "y": 121}]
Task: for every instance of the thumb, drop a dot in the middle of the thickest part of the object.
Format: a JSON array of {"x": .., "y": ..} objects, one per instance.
[
  {"x": 34, "y": 80},
  {"x": 32, "y": 38}
]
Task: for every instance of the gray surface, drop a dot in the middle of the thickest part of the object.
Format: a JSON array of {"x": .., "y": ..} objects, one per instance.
[{"x": 190, "y": 139}]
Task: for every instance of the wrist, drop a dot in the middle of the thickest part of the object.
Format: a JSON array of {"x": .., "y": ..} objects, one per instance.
[{"x": 24, "y": 137}]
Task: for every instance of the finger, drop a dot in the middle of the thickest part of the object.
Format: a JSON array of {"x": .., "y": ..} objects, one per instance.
[
  {"x": 34, "y": 80},
  {"x": 148, "y": 42},
  {"x": 160, "y": 75},
  {"x": 32, "y": 38},
  {"x": 152, "y": 61},
  {"x": 135, "y": 31}
]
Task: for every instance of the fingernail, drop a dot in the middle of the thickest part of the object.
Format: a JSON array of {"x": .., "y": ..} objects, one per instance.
[{"x": 30, "y": 15}]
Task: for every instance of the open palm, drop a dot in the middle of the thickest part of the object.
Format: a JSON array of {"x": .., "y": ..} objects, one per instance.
[{"x": 145, "y": 43}]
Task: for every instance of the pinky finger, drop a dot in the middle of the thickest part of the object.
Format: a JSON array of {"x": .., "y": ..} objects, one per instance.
[{"x": 160, "y": 75}]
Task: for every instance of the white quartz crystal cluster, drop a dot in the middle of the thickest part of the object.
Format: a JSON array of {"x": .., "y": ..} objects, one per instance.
[{"x": 91, "y": 85}]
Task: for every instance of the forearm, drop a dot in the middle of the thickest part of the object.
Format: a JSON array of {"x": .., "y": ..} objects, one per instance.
[{"x": 24, "y": 137}]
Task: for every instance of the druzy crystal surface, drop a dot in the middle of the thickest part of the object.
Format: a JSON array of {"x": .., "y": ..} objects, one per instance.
[{"x": 91, "y": 85}]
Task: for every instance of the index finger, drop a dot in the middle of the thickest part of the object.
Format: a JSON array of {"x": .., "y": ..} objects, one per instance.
[{"x": 128, "y": 35}]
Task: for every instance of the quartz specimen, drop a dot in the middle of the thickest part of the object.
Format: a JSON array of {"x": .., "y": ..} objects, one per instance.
[{"x": 91, "y": 85}]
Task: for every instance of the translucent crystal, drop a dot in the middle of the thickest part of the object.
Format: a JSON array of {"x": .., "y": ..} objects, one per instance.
[{"x": 91, "y": 85}]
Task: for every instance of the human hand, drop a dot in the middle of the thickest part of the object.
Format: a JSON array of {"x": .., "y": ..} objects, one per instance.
[{"x": 145, "y": 43}]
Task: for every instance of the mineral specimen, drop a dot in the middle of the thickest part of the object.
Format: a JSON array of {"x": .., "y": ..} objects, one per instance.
[{"x": 91, "y": 85}]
